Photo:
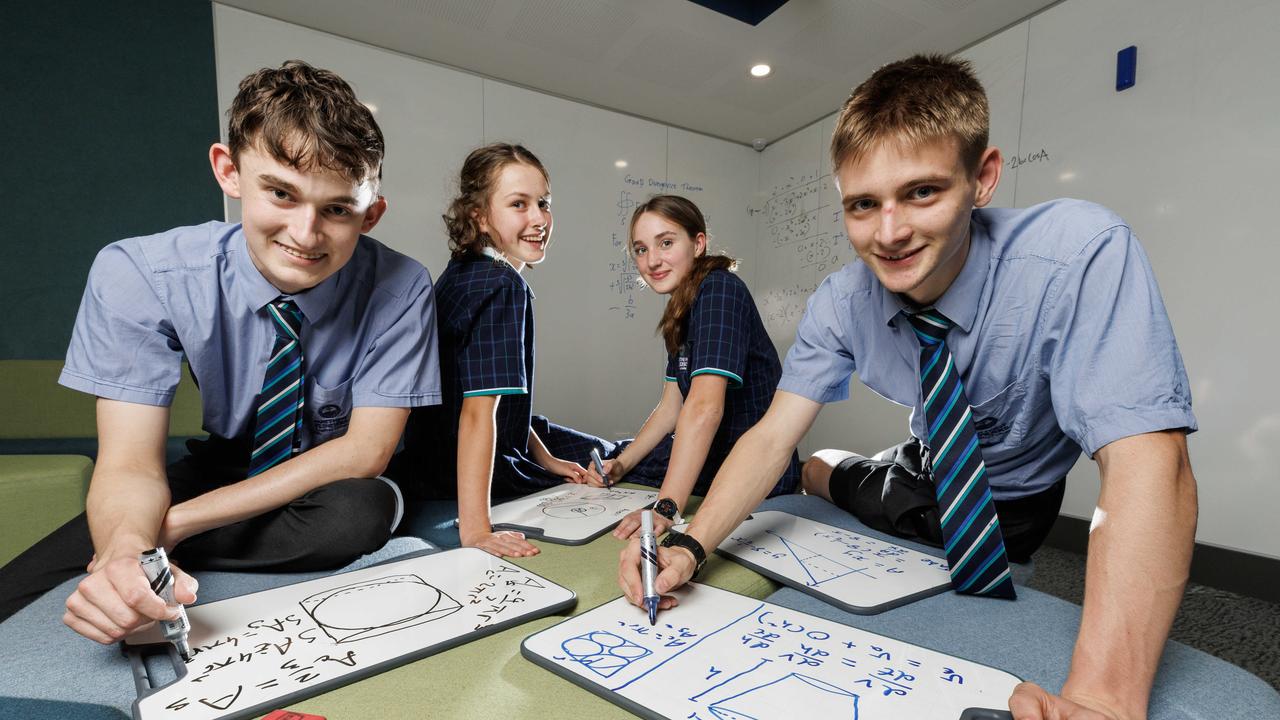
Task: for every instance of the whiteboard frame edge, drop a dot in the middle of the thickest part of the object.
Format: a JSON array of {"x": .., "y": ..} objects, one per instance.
[{"x": 320, "y": 688}]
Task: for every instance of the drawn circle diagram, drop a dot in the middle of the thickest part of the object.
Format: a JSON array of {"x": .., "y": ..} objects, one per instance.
[
  {"x": 573, "y": 510},
  {"x": 602, "y": 652},
  {"x": 377, "y": 607}
]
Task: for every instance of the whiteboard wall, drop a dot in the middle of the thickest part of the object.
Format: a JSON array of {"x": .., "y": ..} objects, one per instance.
[
  {"x": 1181, "y": 157},
  {"x": 599, "y": 364}
]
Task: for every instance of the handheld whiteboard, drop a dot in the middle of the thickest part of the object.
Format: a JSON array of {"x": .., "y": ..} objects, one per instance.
[
  {"x": 854, "y": 572},
  {"x": 570, "y": 514},
  {"x": 258, "y": 652},
  {"x": 722, "y": 656}
]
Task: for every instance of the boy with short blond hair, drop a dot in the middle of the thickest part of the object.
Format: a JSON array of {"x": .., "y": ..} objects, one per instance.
[{"x": 1019, "y": 338}]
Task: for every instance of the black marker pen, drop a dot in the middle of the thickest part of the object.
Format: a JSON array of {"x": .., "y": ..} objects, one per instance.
[{"x": 155, "y": 564}]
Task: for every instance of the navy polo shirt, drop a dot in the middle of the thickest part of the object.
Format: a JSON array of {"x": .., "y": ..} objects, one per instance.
[
  {"x": 725, "y": 336},
  {"x": 485, "y": 326}
]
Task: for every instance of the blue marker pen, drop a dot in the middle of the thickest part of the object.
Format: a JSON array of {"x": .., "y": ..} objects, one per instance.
[
  {"x": 155, "y": 564},
  {"x": 595, "y": 460},
  {"x": 649, "y": 565}
]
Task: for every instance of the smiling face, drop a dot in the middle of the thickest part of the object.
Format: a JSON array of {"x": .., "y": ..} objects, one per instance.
[
  {"x": 300, "y": 226},
  {"x": 517, "y": 215},
  {"x": 664, "y": 252},
  {"x": 907, "y": 212}
]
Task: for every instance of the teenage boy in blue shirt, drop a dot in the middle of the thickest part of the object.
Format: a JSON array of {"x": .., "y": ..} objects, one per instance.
[
  {"x": 308, "y": 340},
  {"x": 1057, "y": 329}
]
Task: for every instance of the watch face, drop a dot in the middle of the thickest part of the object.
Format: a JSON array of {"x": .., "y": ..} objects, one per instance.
[{"x": 666, "y": 507}]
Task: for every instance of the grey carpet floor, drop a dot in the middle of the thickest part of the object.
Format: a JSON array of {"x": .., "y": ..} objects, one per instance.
[{"x": 1242, "y": 630}]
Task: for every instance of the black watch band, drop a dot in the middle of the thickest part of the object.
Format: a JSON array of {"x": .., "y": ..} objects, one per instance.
[
  {"x": 666, "y": 507},
  {"x": 679, "y": 539}
]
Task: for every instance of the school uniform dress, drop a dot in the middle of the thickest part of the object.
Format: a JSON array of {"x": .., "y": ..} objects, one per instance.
[
  {"x": 486, "y": 330},
  {"x": 725, "y": 336},
  {"x": 1059, "y": 333},
  {"x": 194, "y": 293}
]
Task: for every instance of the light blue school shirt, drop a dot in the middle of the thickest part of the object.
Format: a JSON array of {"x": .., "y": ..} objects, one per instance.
[
  {"x": 1060, "y": 335},
  {"x": 368, "y": 331}
]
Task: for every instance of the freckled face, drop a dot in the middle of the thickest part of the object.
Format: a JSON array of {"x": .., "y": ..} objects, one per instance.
[
  {"x": 664, "y": 252},
  {"x": 518, "y": 216}
]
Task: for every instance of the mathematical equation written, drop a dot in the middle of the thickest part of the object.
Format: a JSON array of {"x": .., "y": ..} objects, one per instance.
[
  {"x": 368, "y": 619},
  {"x": 765, "y": 661}
]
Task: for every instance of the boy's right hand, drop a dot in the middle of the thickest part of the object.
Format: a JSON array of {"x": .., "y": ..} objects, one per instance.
[
  {"x": 116, "y": 599},
  {"x": 503, "y": 543}
]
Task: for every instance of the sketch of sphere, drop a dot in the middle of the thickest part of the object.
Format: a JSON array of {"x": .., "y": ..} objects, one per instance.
[
  {"x": 571, "y": 510},
  {"x": 376, "y": 605}
]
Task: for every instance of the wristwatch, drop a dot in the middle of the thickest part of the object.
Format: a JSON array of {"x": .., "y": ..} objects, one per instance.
[
  {"x": 666, "y": 507},
  {"x": 679, "y": 539}
]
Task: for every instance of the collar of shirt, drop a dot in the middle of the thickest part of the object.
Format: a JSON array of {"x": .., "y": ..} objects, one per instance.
[
  {"x": 959, "y": 303},
  {"x": 258, "y": 292},
  {"x": 490, "y": 251}
]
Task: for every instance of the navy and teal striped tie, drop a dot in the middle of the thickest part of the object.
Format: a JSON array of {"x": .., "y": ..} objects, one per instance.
[
  {"x": 277, "y": 426},
  {"x": 970, "y": 528}
]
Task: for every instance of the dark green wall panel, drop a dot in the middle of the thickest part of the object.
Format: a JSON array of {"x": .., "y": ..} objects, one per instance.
[{"x": 107, "y": 110}]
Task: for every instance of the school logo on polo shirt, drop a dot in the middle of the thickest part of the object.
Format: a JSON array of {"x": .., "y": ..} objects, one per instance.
[{"x": 682, "y": 359}]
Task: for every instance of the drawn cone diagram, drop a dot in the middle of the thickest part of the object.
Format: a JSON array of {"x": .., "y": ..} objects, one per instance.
[
  {"x": 378, "y": 607},
  {"x": 817, "y": 566},
  {"x": 780, "y": 699}
]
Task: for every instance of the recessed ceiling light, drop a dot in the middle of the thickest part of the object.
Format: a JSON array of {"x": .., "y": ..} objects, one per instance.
[
  {"x": 760, "y": 70},
  {"x": 619, "y": 163}
]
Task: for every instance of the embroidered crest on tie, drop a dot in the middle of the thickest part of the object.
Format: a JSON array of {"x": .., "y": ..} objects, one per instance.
[
  {"x": 277, "y": 433},
  {"x": 970, "y": 529}
]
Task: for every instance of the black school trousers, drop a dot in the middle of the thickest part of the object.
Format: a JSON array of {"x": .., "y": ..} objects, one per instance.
[{"x": 324, "y": 529}]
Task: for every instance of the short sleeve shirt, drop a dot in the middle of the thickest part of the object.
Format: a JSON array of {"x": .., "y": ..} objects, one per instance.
[
  {"x": 486, "y": 331},
  {"x": 194, "y": 293},
  {"x": 1060, "y": 334},
  {"x": 725, "y": 336}
]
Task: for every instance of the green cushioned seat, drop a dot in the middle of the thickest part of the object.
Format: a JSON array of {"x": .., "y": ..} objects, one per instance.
[
  {"x": 37, "y": 407},
  {"x": 38, "y": 493},
  {"x": 489, "y": 678}
]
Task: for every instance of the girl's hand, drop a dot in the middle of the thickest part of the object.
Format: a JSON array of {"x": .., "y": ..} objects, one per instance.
[
  {"x": 614, "y": 471},
  {"x": 503, "y": 543},
  {"x": 630, "y": 525},
  {"x": 570, "y": 471}
]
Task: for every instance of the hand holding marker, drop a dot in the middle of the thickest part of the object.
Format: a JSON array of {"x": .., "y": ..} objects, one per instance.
[
  {"x": 649, "y": 565},
  {"x": 599, "y": 463},
  {"x": 155, "y": 564}
]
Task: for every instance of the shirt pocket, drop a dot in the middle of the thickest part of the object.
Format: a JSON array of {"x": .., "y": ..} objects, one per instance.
[
  {"x": 996, "y": 418},
  {"x": 328, "y": 410}
]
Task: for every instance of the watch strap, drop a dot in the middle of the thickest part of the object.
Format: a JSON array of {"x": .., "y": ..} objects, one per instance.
[{"x": 675, "y": 538}]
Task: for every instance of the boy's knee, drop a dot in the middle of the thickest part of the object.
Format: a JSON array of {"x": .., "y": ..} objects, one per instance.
[
  {"x": 815, "y": 477},
  {"x": 359, "y": 517}
]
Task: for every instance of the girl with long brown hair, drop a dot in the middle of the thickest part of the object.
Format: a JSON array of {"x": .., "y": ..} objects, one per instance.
[
  {"x": 722, "y": 368},
  {"x": 484, "y": 432}
]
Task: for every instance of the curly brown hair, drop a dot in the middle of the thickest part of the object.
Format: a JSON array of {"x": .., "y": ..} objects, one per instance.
[
  {"x": 476, "y": 183},
  {"x": 922, "y": 98},
  {"x": 307, "y": 118},
  {"x": 683, "y": 212}
]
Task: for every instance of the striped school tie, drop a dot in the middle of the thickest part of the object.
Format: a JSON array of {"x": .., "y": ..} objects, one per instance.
[
  {"x": 970, "y": 528},
  {"x": 277, "y": 426}
]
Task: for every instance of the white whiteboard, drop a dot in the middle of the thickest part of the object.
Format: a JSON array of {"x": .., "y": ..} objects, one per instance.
[
  {"x": 257, "y": 652},
  {"x": 571, "y": 514},
  {"x": 855, "y": 572},
  {"x": 722, "y": 655},
  {"x": 599, "y": 365}
]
